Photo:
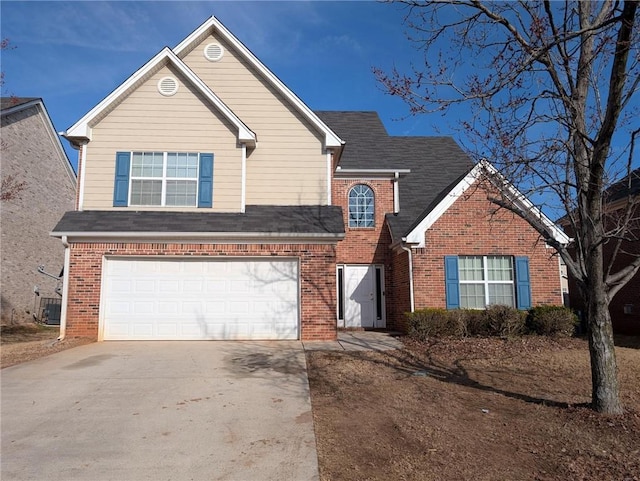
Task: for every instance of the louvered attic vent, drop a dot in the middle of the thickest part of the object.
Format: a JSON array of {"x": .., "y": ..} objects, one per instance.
[
  {"x": 213, "y": 52},
  {"x": 168, "y": 86}
]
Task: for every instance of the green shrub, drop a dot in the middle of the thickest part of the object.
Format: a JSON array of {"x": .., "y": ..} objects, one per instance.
[
  {"x": 505, "y": 321},
  {"x": 552, "y": 321},
  {"x": 425, "y": 323}
]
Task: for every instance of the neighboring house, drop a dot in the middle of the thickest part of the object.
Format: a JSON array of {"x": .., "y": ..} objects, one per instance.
[
  {"x": 625, "y": 306},
  {"x": 214, "y": 204},
  {"x": 38, "y": 185}
]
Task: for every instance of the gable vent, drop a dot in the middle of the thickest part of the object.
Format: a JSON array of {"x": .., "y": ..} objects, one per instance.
[
  {"x": 213, "y": 52},
  {"x": 168, "y": 86}
]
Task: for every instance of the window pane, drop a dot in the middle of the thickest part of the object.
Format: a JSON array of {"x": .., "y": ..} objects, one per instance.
[
  {"x": 472, "y": 296},
  {"x": 146, "y": 192},
  {"x": 136, "y": 170},
  {"x": 147, "y": 164},
  {"x": 181, "y": 192},
  {"x": 500, "y": 268},
  {"x": 470, "y": 268},
  {"x": 501, "y": 294},
  {"x": 172, "y": 164},
  {"x": 182, "y": 164}
]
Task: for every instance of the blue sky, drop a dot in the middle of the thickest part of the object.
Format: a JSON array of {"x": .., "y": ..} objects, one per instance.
[{"x": 73, "y": 54}]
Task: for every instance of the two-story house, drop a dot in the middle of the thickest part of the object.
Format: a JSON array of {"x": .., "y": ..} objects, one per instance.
[{"x": 213, "y": 203}]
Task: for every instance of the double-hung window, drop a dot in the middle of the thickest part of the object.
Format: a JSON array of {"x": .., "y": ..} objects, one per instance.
[
  {"x": 164, "y": 179},
  {"x": 475, "y": 282},
  {"x": 171, "y": 179},
  {"x": 486, "y": 280}
]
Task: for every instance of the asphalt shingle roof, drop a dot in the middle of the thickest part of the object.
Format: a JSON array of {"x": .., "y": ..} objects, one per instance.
[
  {"x": 630, "y": 185},
  {"x": 436, "y": 163},
  {"x": 256, "y": 219},
  {"x": 9, "y": 102}
]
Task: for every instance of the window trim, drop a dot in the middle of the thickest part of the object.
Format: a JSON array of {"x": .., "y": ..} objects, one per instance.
[
  {"x": 356, "y": 220},
  {"x": 163, "y": 179}
]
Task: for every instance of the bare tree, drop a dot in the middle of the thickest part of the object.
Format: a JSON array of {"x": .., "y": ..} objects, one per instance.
[
  {"x": 553, "y": 91},
  {"x": 11, "y": 188}
]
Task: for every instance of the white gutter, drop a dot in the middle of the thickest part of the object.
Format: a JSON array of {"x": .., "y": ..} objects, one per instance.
[
  {"x": 65, "y": 289},
  {"x": 340, "y": 172},
  {"x": 202, "y": 237},
  {"x": 408, "y": 249}
]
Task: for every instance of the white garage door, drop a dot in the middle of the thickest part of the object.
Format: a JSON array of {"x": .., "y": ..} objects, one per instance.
[{"x": 177, "y": 299}]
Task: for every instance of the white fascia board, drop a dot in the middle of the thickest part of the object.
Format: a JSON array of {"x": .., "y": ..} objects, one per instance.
[
  {"x": 202, "y": 237},
  {"x": 519, "y": 199},
  {"x": 417, "y": 234},
  {"x": 81, "y": 129},
  {"x": 331, "y": 138},
  {"x": 370, "y": 173}
]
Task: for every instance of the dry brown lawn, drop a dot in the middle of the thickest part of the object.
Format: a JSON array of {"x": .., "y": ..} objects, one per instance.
[
  {"x": 473, "y": 409},
  {"x": 25, "y": 342}
]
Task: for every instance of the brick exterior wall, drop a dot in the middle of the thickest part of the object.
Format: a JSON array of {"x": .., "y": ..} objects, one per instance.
[
  {"x": 317, "y": 279},
  {"x": 472, "y": 226},
  {"x": 368, "y": 245},
  {"x": 399, "y": 290},
  {"x": 364, "y": 245},
  {"x": 30, "y": 155}
]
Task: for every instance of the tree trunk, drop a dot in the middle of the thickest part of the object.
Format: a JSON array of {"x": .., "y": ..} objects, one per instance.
[{"x": 605, "y": 396}]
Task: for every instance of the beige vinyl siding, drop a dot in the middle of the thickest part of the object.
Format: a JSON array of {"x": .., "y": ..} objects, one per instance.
[
  {"x": 149, "y": 121},
  {"x": 288, "y": 166}
]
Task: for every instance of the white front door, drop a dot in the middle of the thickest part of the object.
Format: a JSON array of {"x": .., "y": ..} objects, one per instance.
[{"x": 360, "y": 295}]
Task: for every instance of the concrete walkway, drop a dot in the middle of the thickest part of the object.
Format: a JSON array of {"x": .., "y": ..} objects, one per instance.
[{"x": 357, "y": 341}]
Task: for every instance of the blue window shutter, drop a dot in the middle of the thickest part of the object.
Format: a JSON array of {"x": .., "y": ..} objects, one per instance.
[
  {"x": 523, "y": 283},
  {"x": 452, "y": 282},
  {"x": 121, "y": 184},
  {"x": 205, "y": 181}
]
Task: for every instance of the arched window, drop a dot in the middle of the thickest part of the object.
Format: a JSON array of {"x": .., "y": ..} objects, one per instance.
[{"x": 361, "y": 206}]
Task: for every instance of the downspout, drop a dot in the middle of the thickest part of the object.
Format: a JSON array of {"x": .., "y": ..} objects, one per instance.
[
  {"x": 408, "y": 249},
  {"x": 396, "y": 194},
  {"x": 243, "y": 186},
  {"x": 65, "y": 288}
]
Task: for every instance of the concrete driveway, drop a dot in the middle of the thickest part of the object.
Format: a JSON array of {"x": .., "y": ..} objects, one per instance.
[{"x": 160, "y": 411}]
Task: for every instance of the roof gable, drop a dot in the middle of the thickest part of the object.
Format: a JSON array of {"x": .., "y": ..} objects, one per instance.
[
  {"x": 10, "y": 105},
  {"x": 416, "y": 233},
  {"x": 331, "y": 139},
  {"x": 432, "y": 164},
  {"x": 82, "y": 128}
]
